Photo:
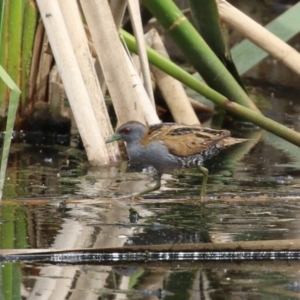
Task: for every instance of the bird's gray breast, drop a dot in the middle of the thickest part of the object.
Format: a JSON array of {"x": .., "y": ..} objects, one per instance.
[{"x": 156, "y": 154}]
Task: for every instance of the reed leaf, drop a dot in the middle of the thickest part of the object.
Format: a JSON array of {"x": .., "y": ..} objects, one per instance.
[
  {"x": 2, "y": 7},
  {"x": 3, "y": 54},
  {"x": 29, "y": 27},
  {"x": 11, "y": 116},
  {"x": 15, "y": 39},
  {"x": 207, "y": 21},
  {"x": 247, "y": 54}
]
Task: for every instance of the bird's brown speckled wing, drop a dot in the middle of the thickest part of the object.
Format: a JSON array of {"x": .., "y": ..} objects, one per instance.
[{"x": 184, "y": 140}]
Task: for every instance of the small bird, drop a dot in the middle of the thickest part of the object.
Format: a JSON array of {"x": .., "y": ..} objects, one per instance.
[{"x": 170, "y": 146}]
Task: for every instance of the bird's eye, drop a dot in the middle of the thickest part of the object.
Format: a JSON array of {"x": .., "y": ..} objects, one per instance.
[{"x": 126, "y": 130}]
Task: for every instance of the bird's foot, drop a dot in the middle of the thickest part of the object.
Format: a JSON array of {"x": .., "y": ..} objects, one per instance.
[{"x": 136, "y": 197}]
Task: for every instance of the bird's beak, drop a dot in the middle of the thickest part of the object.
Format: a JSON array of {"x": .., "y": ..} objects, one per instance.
[{"x": 113, "y": 138}]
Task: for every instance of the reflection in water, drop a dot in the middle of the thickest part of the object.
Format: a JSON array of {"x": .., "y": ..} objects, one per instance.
[
  {"x": 161, "y": 281},
  {"x": 51, "y": 222},
  {"x": 91, "y": 225},
  {"x": 62, "y": 173}
]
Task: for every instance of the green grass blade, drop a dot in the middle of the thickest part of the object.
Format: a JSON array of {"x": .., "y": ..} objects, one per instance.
[{"x": 11, "y": 116}]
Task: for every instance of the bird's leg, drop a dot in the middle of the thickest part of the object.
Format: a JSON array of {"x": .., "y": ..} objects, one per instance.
[
  {"x": 204, "y": 182},
  {"x": 151, "y": 189}
]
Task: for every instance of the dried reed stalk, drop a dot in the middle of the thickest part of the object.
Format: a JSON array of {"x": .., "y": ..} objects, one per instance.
[
  {"x": 85, "y": 61},
  {"x": 73, "y": 81},
  {"x": 171, "y": 89},
  {"x": 111, "y": 56},
  {"x": 259, "y": 35},
  {"x": 135, "y": 16}
]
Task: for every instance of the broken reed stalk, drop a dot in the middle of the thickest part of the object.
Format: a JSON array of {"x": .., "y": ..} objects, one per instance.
[
  {"x": 259, "y": 35},
  {"x": 171, "y": 89}
]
